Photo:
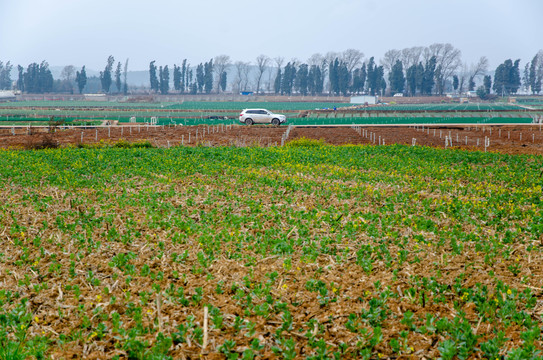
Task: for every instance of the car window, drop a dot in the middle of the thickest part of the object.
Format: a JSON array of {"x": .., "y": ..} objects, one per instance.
[
  {"x": 263, "y": 112},
  {"x": 251, "y": 112}
]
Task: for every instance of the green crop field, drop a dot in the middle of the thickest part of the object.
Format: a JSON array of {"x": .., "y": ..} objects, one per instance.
[
  {"x": 302, "y": 251},
  {"x": 449, "y": 107}
]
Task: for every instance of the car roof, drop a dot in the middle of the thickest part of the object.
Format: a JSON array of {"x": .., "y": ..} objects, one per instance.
[{"x": 255, "y": 109}]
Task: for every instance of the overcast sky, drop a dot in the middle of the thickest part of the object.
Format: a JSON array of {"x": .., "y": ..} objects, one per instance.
[{"x": 86, "y": 32}]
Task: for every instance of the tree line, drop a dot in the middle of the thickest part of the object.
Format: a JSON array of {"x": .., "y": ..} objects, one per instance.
[{"x": 416, "y": 71}]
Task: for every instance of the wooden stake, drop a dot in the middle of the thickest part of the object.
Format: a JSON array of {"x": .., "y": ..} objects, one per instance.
[
  {"x": 205, "y": 328},
  {"x": 159, "y": 311}
]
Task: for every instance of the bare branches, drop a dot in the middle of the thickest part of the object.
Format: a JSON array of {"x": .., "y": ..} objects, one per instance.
[
  {"x": 221, "y": 62},
  {"x": 261, "y": 63},
  {"x": 352, "y": 58}
]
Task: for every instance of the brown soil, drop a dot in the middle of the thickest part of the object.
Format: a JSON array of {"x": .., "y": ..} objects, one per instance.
[{"x": 510, "y": 139}]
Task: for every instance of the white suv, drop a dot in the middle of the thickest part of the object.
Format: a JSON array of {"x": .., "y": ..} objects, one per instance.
[{"x": 261, "y": 116}]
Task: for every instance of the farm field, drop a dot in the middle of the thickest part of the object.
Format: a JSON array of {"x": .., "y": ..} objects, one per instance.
[
  {"x": 227, "y": 112},
  {"x": 300, "y": 251},
  {"x": 513, "y": 139}
]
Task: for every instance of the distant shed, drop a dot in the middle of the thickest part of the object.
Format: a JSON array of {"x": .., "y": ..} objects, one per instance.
[
  {"x": 363, "y": 99},
  {"x": 7, "y": 95}
]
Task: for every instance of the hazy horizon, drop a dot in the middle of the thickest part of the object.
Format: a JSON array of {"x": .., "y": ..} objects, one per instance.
[{"x": 81, "y": 32}]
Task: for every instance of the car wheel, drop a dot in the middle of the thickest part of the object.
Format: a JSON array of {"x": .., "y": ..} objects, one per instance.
[
  {"x": 249, "y": 121},
  {"x": 276, "y": 122}
]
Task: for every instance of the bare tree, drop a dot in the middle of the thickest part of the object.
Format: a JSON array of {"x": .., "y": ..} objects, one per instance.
[
  {"x": 220, "y": 64},
  {"x": 67, "y": 74},
  {"x": 279, "y": 61},
  {"x": 270, "y": 80},
  {"x": 477, "y": 70},
  {"x": 448, "y": 60},
  {"x": 261, "y": 63},
  {"x": 463, "y": 74},
  {"x": 411, "y": 56},
  {"x": 352, "y": 58},
  {"x": 390, "y": 58},
  {"x": 295, "y": 62},
  {"x": 246, "y": 70},
  {"x": 241, "y": 73},
  {"x": 316, "y": 60}
]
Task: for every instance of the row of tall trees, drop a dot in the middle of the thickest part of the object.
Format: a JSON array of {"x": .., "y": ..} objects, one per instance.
[
  {"x": 36, "y": 79},
  {"x": 414, "y": 71},
  {"x": 5, "y": 75},
  {"x": 183, "y": 79},
  {"x": 106, "y": 76},
  {"x": 533, "y": 73},
  {"x": 507, "y": 77}
]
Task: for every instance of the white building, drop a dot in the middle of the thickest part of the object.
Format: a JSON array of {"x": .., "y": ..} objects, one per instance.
[
  {"x": 363, "y": 99},
  {"x": 7, "y": 95}
]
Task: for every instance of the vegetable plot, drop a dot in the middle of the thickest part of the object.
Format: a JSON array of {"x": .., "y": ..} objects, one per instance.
[{"x": 301, "y": 251}]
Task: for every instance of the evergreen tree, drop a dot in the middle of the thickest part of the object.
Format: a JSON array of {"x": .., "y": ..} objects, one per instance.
[
  {"x": 455, "y": 82},
  {"x": 184, "y": 76},
  {"x": 208, "y": 76},
  {"x": 311, "y": 80},
  {"x": 371, "y": 77},
  {"x": 287, "y": 82},
  {"x": 81, "y": 79},
  {"x": 481, "y": 92},
  {"x": 302, "y": 79},
  {"x": 5, "y": 76},
  {"x": 20, "y": 79},
  {"x": 193, "y": 88},
  {"x": 355, "y": 86},
  {"x": 223, "y": 81},
  {"x": 380, "y": 81},
  {"x": 428, "y": 76},
  {"x": 190, "y": 76},
  {"x": 38, "y": 78},
  {"x": 164, "y": 80},
  {"x": 533, "y": 81},
  {"x": 411, "y": 79},
  {"x": 471, "y": 84},
  {"x": 176, "y": 77},
  {"x": 333, "y": 76},
  {"x": 363, "y": 77},
  {"x": 396, "y": 78},
  {"x": 487, "y": 84},
  {"x": 153, "y": 79},
  {"x": 319, "y": 80},
  {"x": 500, "y": 80},
  {"x": 515, "y": 77},
  {"x": 30, "y": 79},
  {"x": 439, "y": 83},
  {"x": 277, "y": 88},
  {"x": 45, "y": 78},
  {"x": 507, "y": 77},
  {"x": 118, "y": 83},
  {"x": 200, "y": 77},
  {"x": 419, "y": 76},
  {"x": 105, "y": 76},
  {"x": 344, "y": 78}
]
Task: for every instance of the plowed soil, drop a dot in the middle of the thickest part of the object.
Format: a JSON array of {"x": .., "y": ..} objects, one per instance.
[{"x": 510, "y": 139}]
